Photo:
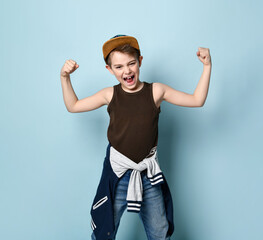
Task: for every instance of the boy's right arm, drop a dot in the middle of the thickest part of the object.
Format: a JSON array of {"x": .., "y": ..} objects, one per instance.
[{"x": 71, "y": 101}]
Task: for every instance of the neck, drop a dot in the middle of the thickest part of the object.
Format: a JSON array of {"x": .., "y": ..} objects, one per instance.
[{"x": 136, "y": 88}]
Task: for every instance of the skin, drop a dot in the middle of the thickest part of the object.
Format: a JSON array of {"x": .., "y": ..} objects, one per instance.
[{"x": 125, "y": 65}]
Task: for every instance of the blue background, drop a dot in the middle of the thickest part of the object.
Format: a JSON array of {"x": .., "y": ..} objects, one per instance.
[{"x": 51, "y": 160}]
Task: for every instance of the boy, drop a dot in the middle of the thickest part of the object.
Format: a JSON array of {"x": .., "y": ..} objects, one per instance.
[{"x": 131, "y": 176}]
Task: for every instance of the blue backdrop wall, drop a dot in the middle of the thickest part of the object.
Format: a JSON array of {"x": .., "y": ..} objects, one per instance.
[{"x": 51, "y": 160}]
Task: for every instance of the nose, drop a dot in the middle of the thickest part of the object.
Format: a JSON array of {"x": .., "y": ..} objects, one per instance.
[{"x": 127, "y": 70}]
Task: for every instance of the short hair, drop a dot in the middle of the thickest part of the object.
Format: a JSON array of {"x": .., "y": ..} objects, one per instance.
[{"x": 126, "y": 48}]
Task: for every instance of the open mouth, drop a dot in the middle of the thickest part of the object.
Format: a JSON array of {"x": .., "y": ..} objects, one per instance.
[{"x": 129, "y": 79}]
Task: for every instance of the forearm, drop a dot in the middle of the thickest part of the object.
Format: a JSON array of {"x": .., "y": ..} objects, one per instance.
[
  {"x": 202, "y": 87},
  {"x": 69, "y": 95}
]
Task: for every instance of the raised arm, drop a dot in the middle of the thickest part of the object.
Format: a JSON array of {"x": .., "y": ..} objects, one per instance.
[
  {"x": 197, "y": 99},
  {"x": 173, "y": 96},
  {"x": 73, "y": 104},
  {"x": 92, "y": 102},
  {"x": 201, "y": 90}
]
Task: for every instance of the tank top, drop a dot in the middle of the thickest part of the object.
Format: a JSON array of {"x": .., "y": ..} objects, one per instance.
[{"x": 133, "y": 126}]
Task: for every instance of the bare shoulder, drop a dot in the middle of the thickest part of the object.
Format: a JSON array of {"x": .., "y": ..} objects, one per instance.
[
  {"x": 158, "y": 93},
  {"x": 107, "y": 93},
  {"x": 158, "y": 87}
]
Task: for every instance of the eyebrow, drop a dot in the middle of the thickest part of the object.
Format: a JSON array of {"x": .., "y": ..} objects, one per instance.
[{"x": 121, "y": 64}]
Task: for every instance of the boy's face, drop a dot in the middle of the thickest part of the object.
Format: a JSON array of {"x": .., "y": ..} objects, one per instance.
[{"x": 126, "y": 69}]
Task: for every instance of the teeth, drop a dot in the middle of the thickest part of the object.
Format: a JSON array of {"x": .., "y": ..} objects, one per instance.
[{"x": 127, "y": 78}]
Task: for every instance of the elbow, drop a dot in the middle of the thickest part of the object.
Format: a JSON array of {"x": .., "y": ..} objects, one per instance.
[
  {"x": 197, "y": 101},
  {"x": 201, "y": 104},
  {"x": 70, "y": 110}
]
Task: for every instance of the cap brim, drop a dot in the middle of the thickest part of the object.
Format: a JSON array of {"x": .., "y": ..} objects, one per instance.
[{"x": 115, "y": 42}]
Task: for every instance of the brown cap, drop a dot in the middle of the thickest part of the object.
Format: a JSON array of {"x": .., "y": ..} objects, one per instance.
[{"x": 117, "y": 41}]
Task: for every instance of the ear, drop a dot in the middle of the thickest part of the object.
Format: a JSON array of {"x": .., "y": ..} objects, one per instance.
[
  {"x": 109, "y": 68},
  {"x": 140, "y": 61}
]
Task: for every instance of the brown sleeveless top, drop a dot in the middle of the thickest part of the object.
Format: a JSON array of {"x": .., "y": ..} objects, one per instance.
[{"x": 133, "y": 127}]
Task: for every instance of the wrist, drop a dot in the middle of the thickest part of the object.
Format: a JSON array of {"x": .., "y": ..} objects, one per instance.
[
  {"x": 208, "y": 65},
  {"x": 64, "y": 77}
]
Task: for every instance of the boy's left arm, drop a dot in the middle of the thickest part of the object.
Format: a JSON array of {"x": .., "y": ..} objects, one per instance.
[
  {"x": 201, "y": 90},
  {"x": 197, "y": 99}
]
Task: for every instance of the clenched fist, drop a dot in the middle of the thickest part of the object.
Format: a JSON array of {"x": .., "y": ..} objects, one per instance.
[
  {"x": 204, "y": 55},
  {"x": 69, "y": 67}
]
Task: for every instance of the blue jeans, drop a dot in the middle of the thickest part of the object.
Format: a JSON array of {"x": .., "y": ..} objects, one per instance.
[{"x": 152, "y": 213}]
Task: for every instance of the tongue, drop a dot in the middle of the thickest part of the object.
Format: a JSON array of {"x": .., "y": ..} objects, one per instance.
[{"x": 129, "y": 80}]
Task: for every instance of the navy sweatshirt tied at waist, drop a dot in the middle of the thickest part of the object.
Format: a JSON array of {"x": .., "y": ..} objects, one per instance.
[{"x": 114, "y": 166}]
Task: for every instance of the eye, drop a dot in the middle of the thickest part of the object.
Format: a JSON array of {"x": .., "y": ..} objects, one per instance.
[
  {"x": 132, "y": 63},
  {"x": 118, "y": 67}
]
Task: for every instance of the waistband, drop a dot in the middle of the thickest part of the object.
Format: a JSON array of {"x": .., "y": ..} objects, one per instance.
[{"x": 149, "y": 165}]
